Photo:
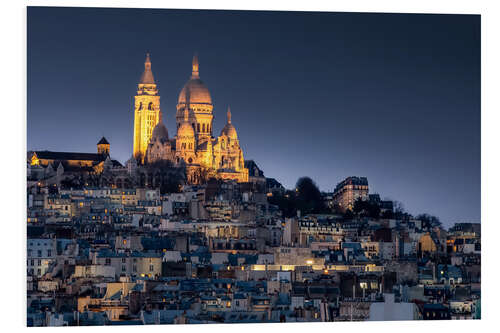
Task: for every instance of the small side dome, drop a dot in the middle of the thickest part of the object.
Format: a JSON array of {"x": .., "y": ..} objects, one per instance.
[
  {"x": 185, "y": 129},
  {"x": 160, "y": 133},
  {"x": 229, "y": 129}
]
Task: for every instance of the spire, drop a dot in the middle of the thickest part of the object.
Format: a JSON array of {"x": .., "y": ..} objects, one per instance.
[
  {"x": 103, "y": 141},
  {"x": 195, "y": 67},
  {"x": 228, "y": 115},
  {"x": 147, "y": 77}
]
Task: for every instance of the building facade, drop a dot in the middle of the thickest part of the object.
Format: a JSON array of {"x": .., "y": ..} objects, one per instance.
[
  {"x": 146, "y": 110},
  {"x": 349, "y": 190},
  {"x": 194, "y": 145}
]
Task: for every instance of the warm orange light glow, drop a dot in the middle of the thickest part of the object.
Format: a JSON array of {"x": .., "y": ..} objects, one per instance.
[{"x": 35, "y": 160}]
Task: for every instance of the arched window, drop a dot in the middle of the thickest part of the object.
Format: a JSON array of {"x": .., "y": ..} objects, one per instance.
[
  {"x": 140, "y": 106},
  {"x": 198, "y": 127},
  {"x": 150, "y": 106},
  {"x": 193, "y": 126},
  {"x": 203, "y": 128}
]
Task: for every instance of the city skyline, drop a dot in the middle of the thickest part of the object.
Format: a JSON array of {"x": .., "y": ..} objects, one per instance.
[{"x": 397, "y": 111}]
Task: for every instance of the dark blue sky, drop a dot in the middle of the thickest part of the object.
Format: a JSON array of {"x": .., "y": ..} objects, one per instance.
[{"x": 393, "y": 97}]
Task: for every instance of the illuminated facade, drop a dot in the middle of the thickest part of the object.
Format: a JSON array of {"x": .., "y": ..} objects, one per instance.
[
  {"x": 194, "y": 144},
  {"x": 146, "y": 111},
  {"x": 349, "y": 190},
  {"x": 82, "y": 161}
]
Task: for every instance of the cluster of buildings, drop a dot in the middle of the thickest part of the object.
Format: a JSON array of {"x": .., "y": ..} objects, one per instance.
[
  {"x": 184, "y": 233},
  {"x": 220, "y": 253}
]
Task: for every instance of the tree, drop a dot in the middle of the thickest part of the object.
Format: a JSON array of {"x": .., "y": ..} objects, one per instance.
[
  {"x": 285, "y": 202},
  {"x": 365, "y": 208},
  {"x": 387, "y": 214},
  {"x": 399, "y": 211},
  {"x": 308, "y": 197},
  {"x": 71, "y": 182},
  {"x": 203, "y": 174},
  {"x": 348, "y": 215},
  {"x": 166, "y": 176},
  {"x": 429, "y": 221}
]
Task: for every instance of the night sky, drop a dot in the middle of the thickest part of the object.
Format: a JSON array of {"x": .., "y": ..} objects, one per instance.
[{"x": 393, "y": 97}]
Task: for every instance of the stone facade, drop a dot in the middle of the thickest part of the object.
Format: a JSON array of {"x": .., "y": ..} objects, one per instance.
[{"x": 194, "y": 145}]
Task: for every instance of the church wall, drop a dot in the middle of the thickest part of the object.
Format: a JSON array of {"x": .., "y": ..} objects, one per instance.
[{"x": 215, "y": 154}]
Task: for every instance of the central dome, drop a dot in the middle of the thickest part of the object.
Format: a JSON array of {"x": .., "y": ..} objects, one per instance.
[
  {"x": 195, "y": 89},
  {"x": 198, "y": 92}
]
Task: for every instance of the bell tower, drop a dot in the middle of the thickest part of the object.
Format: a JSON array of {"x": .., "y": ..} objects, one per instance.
[
  {"x": 146, "y": 111},
  {"x": 103, "y": 147}
]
